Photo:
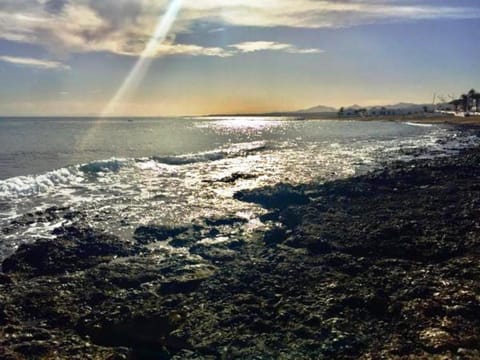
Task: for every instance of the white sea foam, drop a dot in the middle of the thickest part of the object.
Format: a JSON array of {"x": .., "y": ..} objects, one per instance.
[
  {"x": 418, "y": 124},
  {"x": 21, "y": 186}
]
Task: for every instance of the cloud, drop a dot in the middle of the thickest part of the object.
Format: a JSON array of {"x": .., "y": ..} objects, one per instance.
[
  {"x": 321, "y": 13},
  {"x": 125, "y": 26},
  {"x": 215, "y": 30},
  {"x": 254, "y": 46},
  {"x": 55, "y": 6},
  {"x": 192, "y": 50},
  {"x": 35, "y": 63},
  {"x": 170, "y": 49}
]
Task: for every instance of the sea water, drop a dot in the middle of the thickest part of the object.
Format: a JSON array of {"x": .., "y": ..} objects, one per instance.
[{"x": 122, "y": 173}]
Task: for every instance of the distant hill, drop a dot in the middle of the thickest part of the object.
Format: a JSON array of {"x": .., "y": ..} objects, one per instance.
[
  {"x": 354, "y": 107},
  {"x": 318, "y": 109},
  {"x": 397, "y": 108},
  {"x": 394, "y": 109},
  {"x": 322, "y": 111},
  {"x": 402, "y": 105}
]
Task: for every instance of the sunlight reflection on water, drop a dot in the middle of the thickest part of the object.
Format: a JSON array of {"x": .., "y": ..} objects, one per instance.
[
  {"x": 243, "y": 124},
  {"x": 236, "y": 154}
]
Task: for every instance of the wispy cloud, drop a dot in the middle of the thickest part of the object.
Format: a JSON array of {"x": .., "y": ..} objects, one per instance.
[
  {"x": 125, "y": 26},
  {"x": 171, "y": 48},
  {"x": 216, "y": 30},
  {"x": 35, "y": 63},
  {"x": 254, "y": 46}
]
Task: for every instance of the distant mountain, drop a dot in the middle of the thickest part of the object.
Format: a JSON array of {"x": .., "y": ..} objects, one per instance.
[
  {"x": 318, "y": 109},
  {"x": 408, "y": 106},
  {"x": 353, "y": 110},
  {"x": 403, "y": 106},
  {"x": 354, "y": 107},
  {"x": 399, "y": 106},
  {"x": 398, "y": 109}
]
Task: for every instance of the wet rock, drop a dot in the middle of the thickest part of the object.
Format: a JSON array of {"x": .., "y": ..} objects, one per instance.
[
  {"x": 237, "y": 176},
  {"x": 291, "y": 217},
  {"x": 275, "y": 236},
  {"x": 229, "y": 221},
  {"x": 133, "y": 332},
  {"x": 436, "y": 339},
  {"x": 51, "y": 214},
  {"x": 382, "y": 266},
  {"x": 314, "y": 245},
  {"x": 152, "y": 233},
  {"x": 182, "y": 241},
  {"x": 5, "y": 279},
  {"x": 270, "y": 216},
  {"x": 75, "y": 249},
  {"x": 277, "y": 197},
  {"x": 213, "y": 253}
]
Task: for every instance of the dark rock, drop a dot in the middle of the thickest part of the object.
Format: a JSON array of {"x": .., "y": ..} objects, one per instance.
[
  {"x": 76, "y": 249},
  {"x": 36, "y": 349},
  {"x": 279, "y": 197},
  {"x": 270, "y": 216},
  {"x": 314, "y": 245},
  {"x": 291, "y": 217},
  {"x": 5, "y": 279},
  {"x": 382, "y": 266},
  {"x": 181, "y": 285},
  {"x": 146, "y": 335},
  {"x": 225, "y": 221},
  {"x": 237, "y": 176},
  {"x": 213, "y": 253},
  {"x": 152, "y": 233},
  {"x": 275, "y": 236}
]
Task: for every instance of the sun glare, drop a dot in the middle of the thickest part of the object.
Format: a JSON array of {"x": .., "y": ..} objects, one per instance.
[{"x": 144, "y": 61}]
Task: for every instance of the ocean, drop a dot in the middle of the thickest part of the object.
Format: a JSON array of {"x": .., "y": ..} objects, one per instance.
[{"x": 117, "y": 174}]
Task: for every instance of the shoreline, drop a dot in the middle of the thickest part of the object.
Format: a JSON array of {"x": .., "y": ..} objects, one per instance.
[
  {"x": 473, "y": 121},
  {"x": 383, "y": 265}
]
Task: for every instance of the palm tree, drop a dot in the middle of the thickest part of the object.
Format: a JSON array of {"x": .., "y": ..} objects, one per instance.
[
  {"x": 466, "y": 102},
  {"x": 456, "y": 103},
  {"x": 471, "y": 96},
  {"x": 476, "y": 96}
]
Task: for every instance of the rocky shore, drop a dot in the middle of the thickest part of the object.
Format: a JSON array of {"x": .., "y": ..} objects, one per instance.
[{"x": 382, "y": 266}]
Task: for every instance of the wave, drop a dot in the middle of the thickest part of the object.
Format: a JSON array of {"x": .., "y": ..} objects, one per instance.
[
  {"x": 418, "y": 124},
  {"x": 110, "y": 165},
  {"x": 87, "y": 174},
  {"x": 235, "y": 150},
  {"x": 22, "y": 186}
]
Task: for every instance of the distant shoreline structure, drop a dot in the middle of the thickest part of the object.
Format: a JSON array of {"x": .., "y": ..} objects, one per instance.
[{"x": 469, "y": 104}]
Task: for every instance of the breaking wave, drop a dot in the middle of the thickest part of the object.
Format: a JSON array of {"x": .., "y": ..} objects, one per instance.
[
  {"x": 418, "y": 124},
  {"x": 236, "y": 150},
  {"x": 22, "y": 186},
  {"x": 111, "y": 165}
]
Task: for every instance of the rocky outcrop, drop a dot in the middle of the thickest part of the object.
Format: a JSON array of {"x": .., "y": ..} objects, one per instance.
[{"x": 375, "y": 267}]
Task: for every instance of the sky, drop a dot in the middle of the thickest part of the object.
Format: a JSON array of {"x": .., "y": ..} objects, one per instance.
[{"x": 194, "y": 57}]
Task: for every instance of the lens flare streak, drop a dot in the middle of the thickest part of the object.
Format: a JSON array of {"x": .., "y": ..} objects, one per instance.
[{"x": 141, "y": 67}]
